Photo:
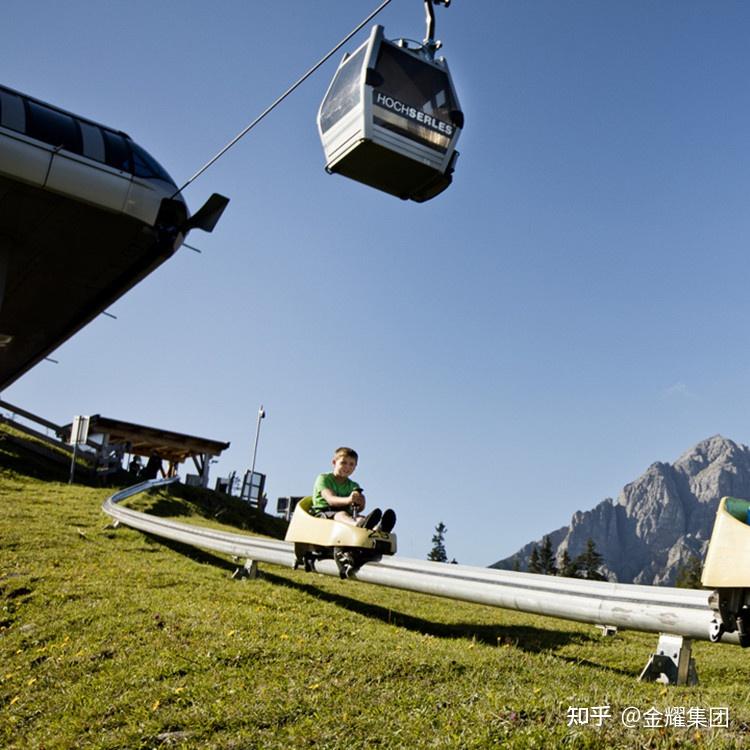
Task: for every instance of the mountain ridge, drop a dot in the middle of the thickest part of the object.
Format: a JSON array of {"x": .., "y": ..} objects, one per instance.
[{"x": 659, "y": 521}]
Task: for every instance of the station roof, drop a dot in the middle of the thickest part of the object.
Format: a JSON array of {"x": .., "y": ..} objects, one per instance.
[{"x": 152, "y": 441}]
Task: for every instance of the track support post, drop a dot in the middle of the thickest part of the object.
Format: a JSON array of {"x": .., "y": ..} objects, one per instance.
[
  {"x": 248, "y": 570},
  {"x": 608, "y": 631},
  {"x": 671, "y": 663}
]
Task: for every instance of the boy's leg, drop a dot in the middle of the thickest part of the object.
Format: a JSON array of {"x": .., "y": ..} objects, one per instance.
[
  {"x": 344, "y": 517},
  {"x": 371, "y": 520},
  {"x": 389, "y": 521}
]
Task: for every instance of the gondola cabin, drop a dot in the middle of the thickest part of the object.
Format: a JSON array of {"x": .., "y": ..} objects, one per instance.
[{"x": 391, "y": 119}]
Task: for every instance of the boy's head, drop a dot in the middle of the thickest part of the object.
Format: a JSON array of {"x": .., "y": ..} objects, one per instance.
[
  {"x": 344, "y": 461},
  {"x": 348, "y": 452}
]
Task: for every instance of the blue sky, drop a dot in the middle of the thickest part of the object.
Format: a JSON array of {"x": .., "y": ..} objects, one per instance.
[{"x": 573, "y": 308}]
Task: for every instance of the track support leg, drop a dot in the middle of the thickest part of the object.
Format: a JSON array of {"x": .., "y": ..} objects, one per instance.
[
  {"x": 608, "y": 631},
  {"x": 248, "y": 570},
  {"x": 671, "y": 663}
]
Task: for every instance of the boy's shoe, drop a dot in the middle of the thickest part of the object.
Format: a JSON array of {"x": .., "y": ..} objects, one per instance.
[
  {"x": 388, "y": 521},
  {"x": 370, "y": 521}
]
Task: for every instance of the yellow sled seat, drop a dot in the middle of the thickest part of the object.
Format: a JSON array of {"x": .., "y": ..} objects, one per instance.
[
  {"x": 305, "y": 528},
  {"x": 727, "y": 562}
]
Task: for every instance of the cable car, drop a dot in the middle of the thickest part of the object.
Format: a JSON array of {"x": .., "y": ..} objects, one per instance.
[
  {"x": 85, "y": 214},
  {"x": 391, "y": 118}
]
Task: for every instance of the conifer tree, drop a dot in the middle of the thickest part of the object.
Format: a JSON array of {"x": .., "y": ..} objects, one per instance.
[
  {"x": 534, "y": 566},
  {"x": 438, "y": 553},
  {"x": 568, "y": 567},
  {"x": 547, "y": 559},
  {"x": 689, "y": 574},
  {"x": 589, "y": 562}
]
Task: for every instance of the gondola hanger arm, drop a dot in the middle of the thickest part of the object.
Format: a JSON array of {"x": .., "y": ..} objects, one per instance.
[{"x": 431, "y": 46}]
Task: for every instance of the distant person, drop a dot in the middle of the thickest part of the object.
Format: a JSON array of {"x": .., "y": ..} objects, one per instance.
[
  {"x": 337, "y": 496},
  {"x": 134, "y": 467},
  {"x": 152, "y": 468}
]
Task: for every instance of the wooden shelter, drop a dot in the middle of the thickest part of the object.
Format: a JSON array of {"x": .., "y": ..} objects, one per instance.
[{"x": 115, "y": 438}]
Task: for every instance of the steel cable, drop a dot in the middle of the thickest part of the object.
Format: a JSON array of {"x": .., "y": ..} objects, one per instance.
[{"x": 283, "y": 96}]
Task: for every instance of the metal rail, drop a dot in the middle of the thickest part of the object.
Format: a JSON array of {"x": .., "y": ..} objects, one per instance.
[{"x": 657, "y": 609}]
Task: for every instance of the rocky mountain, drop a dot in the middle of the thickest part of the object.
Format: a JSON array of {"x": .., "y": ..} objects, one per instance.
[{"x": 658, "y": 521}]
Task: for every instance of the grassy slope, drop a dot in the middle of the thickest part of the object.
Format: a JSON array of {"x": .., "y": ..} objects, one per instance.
[{"x": 111, "y": 639}]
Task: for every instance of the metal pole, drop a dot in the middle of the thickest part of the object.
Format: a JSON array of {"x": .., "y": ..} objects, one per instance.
[
  {"x": 79, "y": 432},
  {"x": 261, "y": 415},
  {"x": 73, "y": 462}
]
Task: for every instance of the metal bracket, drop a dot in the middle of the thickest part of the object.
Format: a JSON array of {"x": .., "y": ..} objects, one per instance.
[
  {"x": 671, "y": 663},
  {"x": 430, "y": 44},
  {"x": 248, "y": 570},
  {"x": 731, "y": 614},
  {"x": 608, "y": 631},
  {"x": 715, "y": 630}
]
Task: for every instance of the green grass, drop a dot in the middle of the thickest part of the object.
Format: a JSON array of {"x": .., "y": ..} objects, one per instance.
[
  {"x": 112, "y": 639},
  {"x": 206, "y": 508},
  {"x": 17, "y": 453}
]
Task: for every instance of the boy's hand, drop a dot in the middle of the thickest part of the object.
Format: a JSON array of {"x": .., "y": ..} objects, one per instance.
[{"x": 357, "y": 499}]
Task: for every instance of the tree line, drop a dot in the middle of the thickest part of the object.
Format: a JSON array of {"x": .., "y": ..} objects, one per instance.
[
  {"x": 586, "y": 565},
  {"x": 542, "y": 560}
]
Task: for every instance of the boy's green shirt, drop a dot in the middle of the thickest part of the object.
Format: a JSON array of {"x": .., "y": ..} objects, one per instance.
[{"x": 327, "y": 481}]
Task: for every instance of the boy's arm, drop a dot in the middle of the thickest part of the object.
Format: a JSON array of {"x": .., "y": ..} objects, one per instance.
[{"x": 341, "y": 503}]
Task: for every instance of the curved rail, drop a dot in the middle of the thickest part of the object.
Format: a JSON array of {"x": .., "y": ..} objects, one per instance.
[{"x": 683, "y": 612}]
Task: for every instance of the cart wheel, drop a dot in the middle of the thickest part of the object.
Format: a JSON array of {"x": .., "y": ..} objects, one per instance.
[
  {"x": 309, "y": 563},
  {"x": 344, "y": 562}
]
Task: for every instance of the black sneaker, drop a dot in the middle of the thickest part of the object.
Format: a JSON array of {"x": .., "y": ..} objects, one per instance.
[
  {"x": 388, "y": 521},
  {"x": 370, "y": 521}
]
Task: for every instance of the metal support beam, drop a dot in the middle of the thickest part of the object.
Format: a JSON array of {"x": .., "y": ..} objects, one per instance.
[
  {"x": 206, "y": 463},
  {"x": 671, "y": 663},
  {"x": 198, "y": 464},
  {"x": 56, "y": 428},
  {"x": 248, "y": 570}
]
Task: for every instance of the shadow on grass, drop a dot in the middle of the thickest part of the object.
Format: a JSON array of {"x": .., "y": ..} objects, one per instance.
[
  {"x": 526, "y": 638},
  {"x": 165, "y": 507},
  {"x": 602, "y": 667},
  {"x": 193, "y": 553},
  {"x": 178, "y": 501}
]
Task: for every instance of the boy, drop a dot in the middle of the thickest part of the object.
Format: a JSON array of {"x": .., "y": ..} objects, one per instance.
[{"x": 338, "y": 497}]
